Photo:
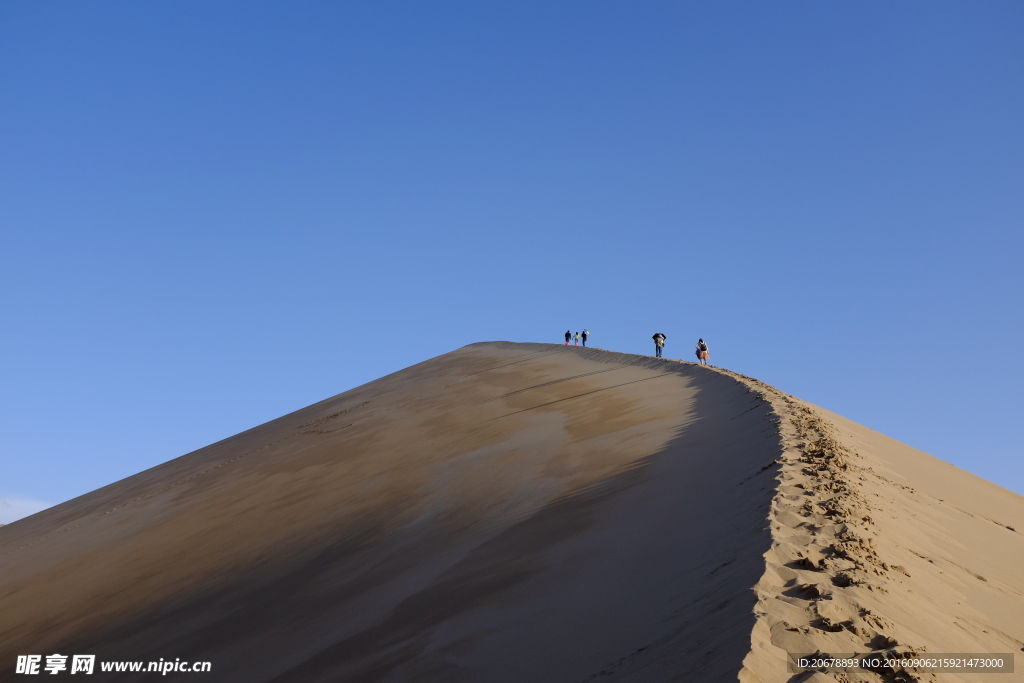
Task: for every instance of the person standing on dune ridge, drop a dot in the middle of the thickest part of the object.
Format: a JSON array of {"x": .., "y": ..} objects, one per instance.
[
  {"x": 568, "y": 336},
  {"x": 576, "y": 339},
  {"x": 702, "y": 352},
  {"x": 659, "y": 343},
  {"x": 586, "y": 333}
]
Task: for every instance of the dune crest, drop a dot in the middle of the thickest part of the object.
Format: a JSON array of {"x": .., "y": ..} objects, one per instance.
[{"x": 513, "y": 512}]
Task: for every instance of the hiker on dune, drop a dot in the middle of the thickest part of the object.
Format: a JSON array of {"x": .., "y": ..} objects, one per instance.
[
  {"x": 586, "y": 333},
  {"x": 659, "y": 343},
  {"x": 568, "y": 336},
  {"x": 702, "y": 352},
  {"x": 576, "y": 338}
]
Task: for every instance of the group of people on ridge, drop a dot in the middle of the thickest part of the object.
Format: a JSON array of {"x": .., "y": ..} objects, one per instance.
[
  {"x": 703, "y": 354},
  {"x": 701, "y": 347},
  {"x": 578, "y": 337}
]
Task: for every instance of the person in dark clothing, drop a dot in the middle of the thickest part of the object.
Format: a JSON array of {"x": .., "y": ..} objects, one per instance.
[
  {"x": 586, "y": 333},
  {"x": 659, "y": 344},
  {"x": 568, "y": 337}
]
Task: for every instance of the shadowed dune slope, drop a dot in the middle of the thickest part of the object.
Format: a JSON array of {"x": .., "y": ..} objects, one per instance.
[{"x": 505, "y": 512}]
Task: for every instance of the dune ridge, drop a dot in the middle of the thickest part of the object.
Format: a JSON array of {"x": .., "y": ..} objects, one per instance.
[{"x": 511, "y": 512}]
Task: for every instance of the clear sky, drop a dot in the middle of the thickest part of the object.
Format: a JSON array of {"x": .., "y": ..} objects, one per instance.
[{"x": 212, "y": 214}]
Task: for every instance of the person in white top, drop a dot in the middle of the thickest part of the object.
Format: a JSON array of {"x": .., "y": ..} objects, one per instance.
[{"x": 702, "y": 352}]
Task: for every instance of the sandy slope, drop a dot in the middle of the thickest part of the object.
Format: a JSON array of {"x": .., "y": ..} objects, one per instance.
[
  {"x": 880, "y": 547},
  {"x": 526, "y": 512},
  {"x": 506, "y": 512}
]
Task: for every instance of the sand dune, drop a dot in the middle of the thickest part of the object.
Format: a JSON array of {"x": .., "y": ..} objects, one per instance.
[{"x": 526, "y": 512}]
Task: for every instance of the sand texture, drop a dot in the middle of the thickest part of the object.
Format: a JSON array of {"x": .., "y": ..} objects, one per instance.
[{"x": 527, "y": 512}]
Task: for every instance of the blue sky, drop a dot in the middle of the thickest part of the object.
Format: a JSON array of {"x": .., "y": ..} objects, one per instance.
[{"x": 212, "y": 214}]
